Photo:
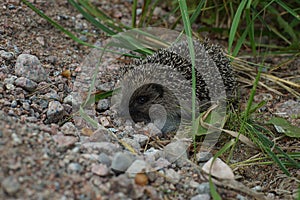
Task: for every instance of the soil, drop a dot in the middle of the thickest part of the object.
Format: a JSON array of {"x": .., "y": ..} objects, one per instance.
[{"x": 41, "y": 160}]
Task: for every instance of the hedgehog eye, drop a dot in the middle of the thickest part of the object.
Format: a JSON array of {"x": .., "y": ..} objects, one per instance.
[{"x": 142, "y": 99}]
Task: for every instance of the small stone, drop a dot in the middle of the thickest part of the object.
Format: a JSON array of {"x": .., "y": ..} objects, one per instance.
[
  {"x": 10, "y": 80},
  {"x": 74, "y": 168},
  {"x": 105, "y": 147},
  {"x": 55, "y": 112},
  {"x": 6, "y": 55},
  {"x": 136, "y": 167},
  {"x": 41, "y": 40},
  {"x": 29, "y": 66},
  {"x": 134, "y": 144},
  {"x": 26, "y": 106},
  {"x": 153, "y": 130},
  {"x": 10, "y": 185},
  {"x": 104, "y": 159},
  {"x": 172, "y": 176},
  {"x": 141, "y": 139},
  {"x": 141, "y": 179},
  {"x": 103, "y": 105},
  {"x": 26, "y": 83},
  {"x": 203, "y": 188},
  {"x": 100, "y": 169},
  {"x": 10, "y": 86},
  {"x": 201, "y": 197},
  {"x": 257, "y": 188},
  {"x": 64, "y": 141},
  {"x": 101, "y": 135},
  {"x": 121, "y": 161},
  {"x": 69, "y": 129},
  {"x": 14, "y": 104},
  {"x": 219, "y": 169},
  {"x": 175, "y": 152},
  {"x": 203, "y": 156},
  {"x": 104, "y": 121},
  {"x": 69, "y": 100},
  {"x": 52, "y": 95}
]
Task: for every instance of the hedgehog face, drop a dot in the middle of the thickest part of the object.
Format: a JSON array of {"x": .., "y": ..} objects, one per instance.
[
  {"x": 142, "y": 100},
  {"x": 143, "y": 106}
]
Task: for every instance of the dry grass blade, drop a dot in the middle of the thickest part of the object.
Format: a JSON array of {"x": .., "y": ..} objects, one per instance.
[{"x": 241, "y": 137}]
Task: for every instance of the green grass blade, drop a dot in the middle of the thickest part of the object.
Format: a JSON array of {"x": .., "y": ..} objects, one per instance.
[
  {"x": 144, "y": 12},
  {"x": 197, "y": 11},
  {"x": 91, "y": 19},
  {"x": 288, "y": 9},
  {"x": 94, "y": 11},
  {"x": 134, "y": 7},
  {"x": 55, "y": 24},
  {"x": 235, "y": 23},
  {"x": 188, "y": 31}
]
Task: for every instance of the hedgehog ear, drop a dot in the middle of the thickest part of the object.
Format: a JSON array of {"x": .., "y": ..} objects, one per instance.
[{"x": 159, "y": 89}]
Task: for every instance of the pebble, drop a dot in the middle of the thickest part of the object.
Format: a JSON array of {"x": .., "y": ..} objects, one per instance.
[
  {"x": 10, "y": 185},
  {"x": 203, "y": 188},
  {"x": 74, "y": 168},
  {"x": 201, "y": 197},
  {"x": 10, "y": 86},
  {"x": 101, "y": 135},
  {"x": 219, "y": 169},
  {"x": 121, "y": 161},
  {"x": 69, "y": 129},
  {"x": 103, "y": 105},
  {"x": 64, "y": 141},
  {"x": 141, "y": 139},
  {"x": 14, "y": 104},
  {"x": 104, "y": 159},
  {"x": 133, "y": 143},
  {"x": 26, "y": 83},
  {"x": 100, "y": 169},
  {"x": 6, "y": 55},
  {"x": 29, "y": 66},
  {"x": 105, "y": 147},
  {"x": 153, "y": 130},
  {"x": 10, "y": 80},
  {"x": 203, "y": 156},
  {"x": 175, "y": 152},
  {"x": 55, "y": 112},
  {"x": 172, "y": 176},
  {"x": 136, "y": 167}
]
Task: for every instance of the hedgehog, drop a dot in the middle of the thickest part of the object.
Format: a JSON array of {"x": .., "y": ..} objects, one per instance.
[{"x": 158, "y": 88}]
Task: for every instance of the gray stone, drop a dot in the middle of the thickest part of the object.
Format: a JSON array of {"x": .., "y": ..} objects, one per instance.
[
  {"x": 55, "y": 112},
  {"x": 10, "y": 185},
  {"x": 104, "y": 159},
  {"x": 100, "y": 169},
  {"x": 10, "y": 80},
  {"x": 64, "y": 141},
  {"x": 103, "y": 105},
  {"x": 203, "y": 188},
  {"x": 141, "y": 139},
  {"x": 105, "y": 147},
  {"x": 74, "y": 168},
  {"x": 134, "y": 144},
  {"x": 26, "y": 83},
  {"x": 172, "y": 176},
  {"x": 136, "y": 167},
  {"x": 175, "y": 152},
  {"x": 6, "y": 55},
  {"x": 29, "y": 66},
  {"x": 201, "y": 197},
  {"x": 203, "y": 156},
  {"x": 121, "y": 161},
  {"x": 69, "y": 129},
  {"x": 9, "y": 86},
  {"x": 101, "y": 135}
]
